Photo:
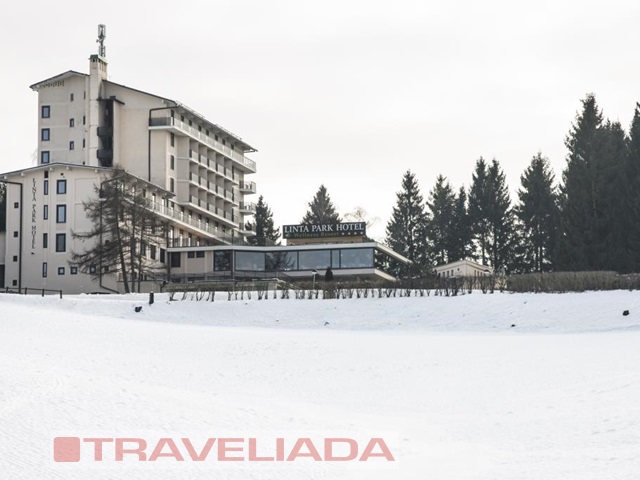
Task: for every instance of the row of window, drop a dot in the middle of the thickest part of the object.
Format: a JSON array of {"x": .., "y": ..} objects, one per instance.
[
  {"x": 61, "y": 187},
  {"x": 292, "y": 260},
  {"x": 73, "y": 270}
]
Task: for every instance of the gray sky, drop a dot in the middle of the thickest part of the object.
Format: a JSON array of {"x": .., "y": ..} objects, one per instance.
[{"x": 346, "y": 93}]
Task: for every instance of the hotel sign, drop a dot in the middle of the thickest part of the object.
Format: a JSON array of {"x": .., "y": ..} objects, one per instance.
[{"x": 347, "y": 229}]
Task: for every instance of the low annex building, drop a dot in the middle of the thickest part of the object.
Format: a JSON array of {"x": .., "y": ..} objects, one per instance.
[{"x": 463, "y": 268}]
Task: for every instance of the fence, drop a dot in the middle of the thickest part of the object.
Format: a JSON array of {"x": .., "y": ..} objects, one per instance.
[{"x": 26, "y": 290}]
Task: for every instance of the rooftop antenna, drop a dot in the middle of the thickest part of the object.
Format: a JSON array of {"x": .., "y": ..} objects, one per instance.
[{"x": 102, "y": 34}]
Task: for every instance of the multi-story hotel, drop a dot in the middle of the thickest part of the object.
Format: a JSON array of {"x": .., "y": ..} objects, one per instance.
[{"x": 194, "y": 173}]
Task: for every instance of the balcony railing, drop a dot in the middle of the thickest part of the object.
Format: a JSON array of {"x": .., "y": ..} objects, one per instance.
[
  {"x": 202, "y": 137},
  {"x": 248, "y": 187},
  {"x": 189, "y": 220},
  {"x": 249, "y": 208}
]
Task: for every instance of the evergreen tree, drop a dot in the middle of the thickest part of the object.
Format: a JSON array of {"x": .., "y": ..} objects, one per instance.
[
  {"x": 596, "y": 206},
  {"x": 616, "y": 218},
  {"x": 440, "y": 233},
  {"x": 502, "y": 234},
  {"x": 461, "y": 245},
  {"x": 633, "y": 175},
  {"x": 321, "y": 210},
  {"x": 406, "y": 230},
  {"x": 266, "y": 233},
  {"x": 491, "y": 216},
  {"x": 479, "y": 211},
  {"x": 537, "y": 212}
]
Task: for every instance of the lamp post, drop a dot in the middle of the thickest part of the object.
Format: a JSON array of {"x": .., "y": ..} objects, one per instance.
[{"x": 315, "y": 272}]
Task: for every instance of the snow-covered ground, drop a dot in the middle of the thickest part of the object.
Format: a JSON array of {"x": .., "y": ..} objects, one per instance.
[{"x": 452, "y": 387}]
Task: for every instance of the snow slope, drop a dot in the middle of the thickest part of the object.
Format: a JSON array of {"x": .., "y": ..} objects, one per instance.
[{"x": 452, "y": 387}]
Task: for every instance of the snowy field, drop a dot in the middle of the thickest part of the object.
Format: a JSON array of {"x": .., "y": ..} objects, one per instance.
[{"x": 454, "y": 389}]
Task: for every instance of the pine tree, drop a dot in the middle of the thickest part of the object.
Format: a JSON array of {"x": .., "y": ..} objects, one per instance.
[
  {"x": 537, "y": 212},
  {"x": 633, "y": 175},
  {"x": 502, "y": 235},
  {"x": 266, "y": 233},
  {"x": 491, "y": 216},
  {"x": 461, "y": 245},
  {"x": 614, "y": 189},
  {"x": 595, "y": 195},
  {"x": 321, "y": 210},
  {"x": 478, "y": 211},
  {"x": 406, "y": 230},
  {"x": 440, "y": 233}
]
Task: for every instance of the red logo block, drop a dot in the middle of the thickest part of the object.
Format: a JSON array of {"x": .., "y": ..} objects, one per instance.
[{"x": 66, "y": 449}]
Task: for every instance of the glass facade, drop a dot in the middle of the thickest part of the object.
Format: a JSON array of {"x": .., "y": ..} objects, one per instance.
[
  {"x": 361, "y": 258},
  {"x": 281, "y": 261},
  {"x": 313, "y": 259},
  {"x": 253, "y": 261}
]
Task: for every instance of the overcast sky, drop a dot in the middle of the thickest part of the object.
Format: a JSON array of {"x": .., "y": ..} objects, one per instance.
[{"x": 346, "y": 93}]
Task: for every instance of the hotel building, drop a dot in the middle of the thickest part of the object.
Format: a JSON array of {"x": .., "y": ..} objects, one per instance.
[{"x": 195, "y": 174}]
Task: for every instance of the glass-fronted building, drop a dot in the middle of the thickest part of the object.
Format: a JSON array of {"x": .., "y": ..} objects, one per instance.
[{"x": 347, "y": 260}]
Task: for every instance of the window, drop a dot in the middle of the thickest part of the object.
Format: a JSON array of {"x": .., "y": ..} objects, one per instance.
[
  {"x": 152, "y": 252},
  {"x": 44, "y": 156},
  {"x": 45, "y": 240},
  {"x": 200, "y": 254},
  {"x": 45, "y": 212},
  {"x": 61, "y": 242},
  {"x": 84, "y": 119},
  {"x": 281, "y": 261},
  {"x": 172, "y": 139},
  {"x": 15, "y": 258},
  {"x": 44, "y": 269},
  {"x": 174, "y": 258},
  {"x": 191, "y": 254},
  {"x": 356, "y": 258},
  {"x": 16, "y": 205},
  {"x": 84, "y": 143},
  {"x": 46, "y": 187},
  {"x": 309, "y": 260},
  {"x": 46, "y": 174},
  {"x": 163, "y": 255},
  {"x": 61, "y": 214},
  {"x": 172, "y": 163},
  {"x": 14, "y": 283},
  {"x": 73, "y": 269},
  {"x": 72, "y": 145},
  {"x": 222, "y": 261},
  {"x": 171, "y": 185},
  {"x": 60, "y": 270},
  {"x": 45, "y": 134},
  {"x": 72, "y": 122},
  {"x": 250, "y": 261},
  {"x": 15, "y": 234},
  {"x": 46, "y": 111},
  {"x": 71, "y": 97},
  {"x": 92, "y": 269},
  {"x": 61, "y": 187}
]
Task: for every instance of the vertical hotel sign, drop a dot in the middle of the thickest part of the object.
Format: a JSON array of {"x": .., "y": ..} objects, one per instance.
[{"x": 34, "y": 214}]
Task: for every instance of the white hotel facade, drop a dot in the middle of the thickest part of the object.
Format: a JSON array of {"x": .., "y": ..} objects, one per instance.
[{"x": 195, "y": 173}]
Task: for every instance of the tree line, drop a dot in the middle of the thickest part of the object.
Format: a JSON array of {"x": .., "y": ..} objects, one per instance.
[{"x": 589, "y": 220}]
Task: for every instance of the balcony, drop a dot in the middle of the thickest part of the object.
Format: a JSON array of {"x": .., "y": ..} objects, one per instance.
[
  {"x": 248, "y": 187},
  {"x": 248, "y": 208},
  {"x": 200, "y": 225},
  {"x": 245, "y": 164}
]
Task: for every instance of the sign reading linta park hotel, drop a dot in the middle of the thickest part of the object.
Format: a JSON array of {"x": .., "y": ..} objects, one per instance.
[{"x": 347, "y": 229}]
